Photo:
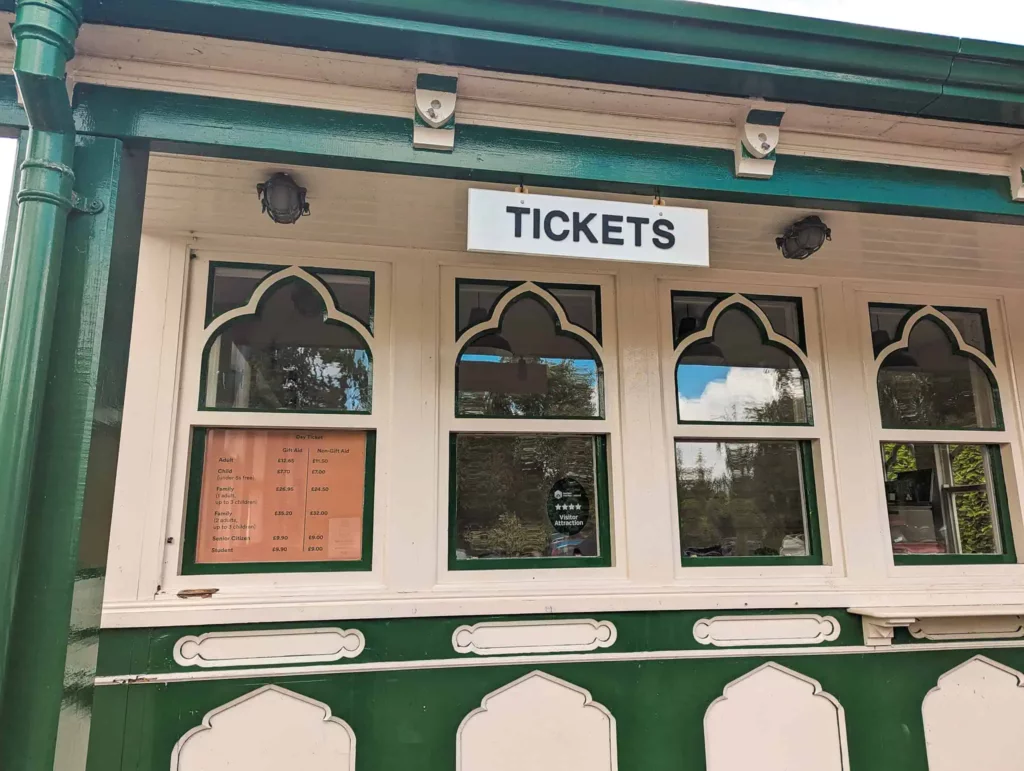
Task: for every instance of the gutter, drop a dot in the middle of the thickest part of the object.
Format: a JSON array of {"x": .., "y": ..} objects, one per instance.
[
  {"x": 45, "y": 32},
  {"x": 659, "y": 44}
]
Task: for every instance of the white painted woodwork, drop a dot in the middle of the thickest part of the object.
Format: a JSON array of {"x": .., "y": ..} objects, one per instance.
[
  {"x": 739, "y": 631},
  {"x": 500, "y": 638},
  {"x": 539, "y": 723},
  {"x": 268, "y": 647},
  {"x": 268, "y": 729},
  {"x": 972, "y": 718},
  {"x": 986, "y": 627},
  {"x": 412, "y": 232},
  {"x": 775, "y": 719}
]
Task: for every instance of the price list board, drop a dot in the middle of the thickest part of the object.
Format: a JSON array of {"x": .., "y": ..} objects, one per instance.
[{"x": 271, "y": 495}]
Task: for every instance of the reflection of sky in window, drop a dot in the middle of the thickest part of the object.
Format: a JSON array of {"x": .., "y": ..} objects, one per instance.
[{"x": 715, "y": 393}]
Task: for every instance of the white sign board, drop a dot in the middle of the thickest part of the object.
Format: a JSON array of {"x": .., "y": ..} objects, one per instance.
[{"x": 521, "y": 223}]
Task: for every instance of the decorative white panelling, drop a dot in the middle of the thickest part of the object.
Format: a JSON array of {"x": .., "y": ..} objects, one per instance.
[
  {"x": 538, "y": 723},
  {"x": 268, "y": 730},
  {"x": 495, "y": 638},
  {"x": 879, "y": 630},
  {"x": 968, "y": 628},
  {"x": 737, "y": 631},
  {"x": 774, "y": 719},
  {"x": 276, "y": 646},
  {"x": 972, "y": 718}
]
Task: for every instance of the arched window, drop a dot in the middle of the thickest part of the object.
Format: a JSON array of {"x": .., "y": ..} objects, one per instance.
[
  {"x": 745, "y": 497},
  {"x": 295, "y": 350},
  {"x": 730, "y": 369},
  {"x": 530, "y": 354},
  {"x": 528, "y": 366},
  {"x": 928, "y": 381},
  {"x": 936, "y": 373}
]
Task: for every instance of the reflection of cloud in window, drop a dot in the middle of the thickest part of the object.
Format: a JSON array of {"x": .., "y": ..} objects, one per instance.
[{"x": 712, "y": 393}]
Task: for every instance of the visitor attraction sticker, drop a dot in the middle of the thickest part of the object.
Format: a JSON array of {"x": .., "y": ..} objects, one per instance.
[{"x": 568, "y": 506}]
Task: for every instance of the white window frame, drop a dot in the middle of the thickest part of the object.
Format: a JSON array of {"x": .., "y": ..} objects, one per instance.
[
  {"x": 1007, "y": 439},
  {"x": 818, "y": 435},
  {"x": 528, "y": 280},
  {"x": 153, "y": 571}
]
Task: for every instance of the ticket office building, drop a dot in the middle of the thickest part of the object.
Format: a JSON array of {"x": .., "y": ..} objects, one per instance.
[{"x": 375, "y": 480}]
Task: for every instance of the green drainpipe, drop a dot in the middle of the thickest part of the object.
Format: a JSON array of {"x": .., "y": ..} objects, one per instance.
[{"x": 45, "y": 33}]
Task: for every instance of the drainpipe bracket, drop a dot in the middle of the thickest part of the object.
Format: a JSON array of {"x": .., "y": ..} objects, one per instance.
[{"x": 81, "y": 204}]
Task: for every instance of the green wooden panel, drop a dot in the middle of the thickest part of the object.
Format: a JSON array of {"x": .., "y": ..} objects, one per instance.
[
  {"x": 149, "y": 651},
  {"x": 651, "y": 43},
  {"x": 409, "y": 719},
  {"x": 281, "y": 134}
]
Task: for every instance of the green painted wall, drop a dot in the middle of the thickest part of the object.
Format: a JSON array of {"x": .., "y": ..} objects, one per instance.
[{"x": 408, "y": 719}]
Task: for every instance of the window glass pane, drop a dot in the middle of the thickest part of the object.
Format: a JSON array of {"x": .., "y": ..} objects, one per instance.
[
  {"x": 940, "y": 498},
  {"x": 742, "y": 499},
  {"x": 352, "y": 293},
  {"x": 930, "y": 384},
  {"x": 288, "y": 357},
  {"x": 475, "y": 301},
  {"x": 581, "y": 304},
  {"x": 737, "y": 377},
  {"x": 690, "y": 312},
  {"x": 231, "y": 287},
  {"x": 277, "y": 495},
  {"x": 528, "y": 367},
  {"x": 526, "y": 496},
  {"x": 972, "y": 323}
]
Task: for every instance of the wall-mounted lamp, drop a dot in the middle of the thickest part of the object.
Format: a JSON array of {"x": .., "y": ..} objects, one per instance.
[
  {"x": 282, "y": 198},
  {"x": 802, "y": 239}
]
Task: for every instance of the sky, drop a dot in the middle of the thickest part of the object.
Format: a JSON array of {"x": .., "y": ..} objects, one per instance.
[{"x": 998, "y": 20}]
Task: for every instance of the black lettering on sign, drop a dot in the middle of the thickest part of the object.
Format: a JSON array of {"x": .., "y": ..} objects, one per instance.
[
  {"x": 518, "y": 212},
  {"x": 638, "y": 229},
  {"x": 610, "y": 229},
  {"x": 536, "y": 224},
  {"x": 581, "y": 225},
  {"x": 664, "y": 237},
  {"x": 549, "y": 231}
]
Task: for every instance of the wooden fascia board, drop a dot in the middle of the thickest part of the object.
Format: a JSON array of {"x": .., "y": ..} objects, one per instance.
[
  {"x": 650, "y": 43},
  {"x": 233, "y": 128}
]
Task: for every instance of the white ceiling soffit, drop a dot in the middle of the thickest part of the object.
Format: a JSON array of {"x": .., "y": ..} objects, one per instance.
[
  {"x": 152, "y": 60},
  {"x": 216, "y": 197}
]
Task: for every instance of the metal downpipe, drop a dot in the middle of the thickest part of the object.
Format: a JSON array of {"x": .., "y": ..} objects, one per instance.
[{"x": 45, "y": 33}]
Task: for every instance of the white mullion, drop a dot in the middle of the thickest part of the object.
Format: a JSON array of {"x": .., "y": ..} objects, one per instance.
[
  {"x": 744, "y": 433},
  {"x": 285, "y": 420},
  {"x": 943, "y": 436},
  {"x": 528, "y": 426}
]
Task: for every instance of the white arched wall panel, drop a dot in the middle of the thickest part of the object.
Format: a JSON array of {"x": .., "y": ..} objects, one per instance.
[
  {"x": 540, "y": 723},
  {"x": 972, "y": 718},
  {"x": 774, "y": 719},
  {"x": 268, "y": 729}
]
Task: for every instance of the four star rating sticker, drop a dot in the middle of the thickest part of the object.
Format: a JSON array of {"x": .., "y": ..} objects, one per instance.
[{"x": 568, "y": 507}]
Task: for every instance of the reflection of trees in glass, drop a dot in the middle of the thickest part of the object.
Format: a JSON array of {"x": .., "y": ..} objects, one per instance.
[
  {"x": 503, "y": 481},
  {"x": 572, "y": 391},
  {"x": 967, "y": 463},
  {"x": 290, "y": 357},
  {"x": 739, "y": 376},
  {"x": 754, "y": 506},
  {"x": 930, "y": 384},
  {"x": 309, "y": 378}
]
